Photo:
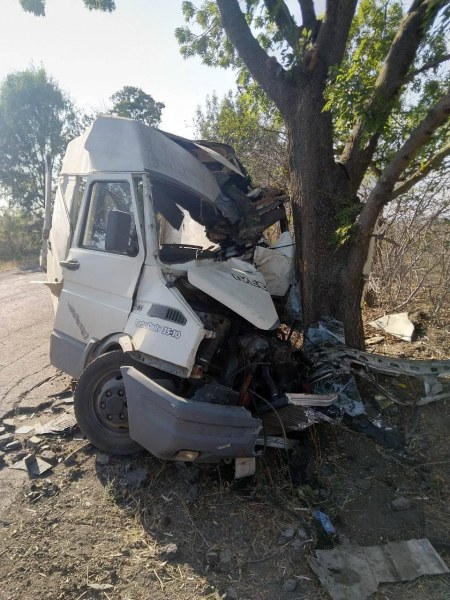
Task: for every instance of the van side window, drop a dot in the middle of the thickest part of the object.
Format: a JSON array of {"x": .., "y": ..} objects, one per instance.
[{"x": 104, "y": 197}]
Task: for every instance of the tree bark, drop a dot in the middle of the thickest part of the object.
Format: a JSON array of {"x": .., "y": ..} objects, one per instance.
[{"x": 320, "y": 191}]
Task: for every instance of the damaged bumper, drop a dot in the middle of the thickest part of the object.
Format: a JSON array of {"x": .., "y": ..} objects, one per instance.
[{"x": 173, "y": 428}]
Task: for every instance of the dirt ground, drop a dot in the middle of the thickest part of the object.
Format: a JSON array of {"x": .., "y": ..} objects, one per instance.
[{"x": 135, "y": 528}]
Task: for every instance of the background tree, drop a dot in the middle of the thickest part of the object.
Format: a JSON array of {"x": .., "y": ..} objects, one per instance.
[
  {"x": 134, "y": 103},
  {"x": 36, "y": 118},
  {"x": 257, "y": 135},
  {"x": 380, "y": 56}
]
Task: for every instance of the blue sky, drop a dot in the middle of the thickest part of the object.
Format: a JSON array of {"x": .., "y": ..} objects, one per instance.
[{"x": 92, "y": 54}]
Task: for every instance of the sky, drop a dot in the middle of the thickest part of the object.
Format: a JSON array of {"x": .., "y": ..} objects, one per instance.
[{"x": 93, "y": 54}]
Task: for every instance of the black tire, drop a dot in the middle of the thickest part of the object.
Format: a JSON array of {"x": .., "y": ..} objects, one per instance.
[{"x": 100, "y": 404}]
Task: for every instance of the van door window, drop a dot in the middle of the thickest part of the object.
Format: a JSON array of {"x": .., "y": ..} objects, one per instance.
[{"x": 104, "y": 197}]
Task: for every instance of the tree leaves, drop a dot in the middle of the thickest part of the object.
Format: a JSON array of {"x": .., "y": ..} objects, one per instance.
[{"x": 134, "y": 103}]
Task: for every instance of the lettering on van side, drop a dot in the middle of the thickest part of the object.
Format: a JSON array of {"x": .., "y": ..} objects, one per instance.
[
  {"x": 248, "y": 281},
  {"x": 162, "y": 329}
]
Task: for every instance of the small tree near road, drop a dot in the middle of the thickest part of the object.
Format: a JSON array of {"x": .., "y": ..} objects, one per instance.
[{"x": 36, "y": 119}]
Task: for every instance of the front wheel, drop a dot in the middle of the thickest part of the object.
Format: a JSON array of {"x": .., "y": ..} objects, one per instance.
[{"x": 100, "y": 404}]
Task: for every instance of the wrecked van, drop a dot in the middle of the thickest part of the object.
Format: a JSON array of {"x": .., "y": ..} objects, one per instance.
[{"x": 172, "y": 311}]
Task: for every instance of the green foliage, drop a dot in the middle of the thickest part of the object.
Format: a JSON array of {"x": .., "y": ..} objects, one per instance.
[
  {"x": 347, "y": 227},
  {"x": 20, "y": 235},
  {"x": 256, "y": 136},
  {"x": 37, "y": 7},
  {"x": 351, "y": 85},
  {"x": 134, "y": 103},
  {"x": 36, "y": 118}
]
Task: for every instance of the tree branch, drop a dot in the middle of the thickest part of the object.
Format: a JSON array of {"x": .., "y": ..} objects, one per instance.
[
  {"x": 426, "y": 67},
  {"x": 387, "y": 86},
  {"x": 309, "y": 19},
  {"x": 285, "y": 22},
  {"x": 264, "y": 68},
  {"x": 382, "y": 192},
  {"x": 333, "y": 33},
  {"x": 429, "y": 166}
]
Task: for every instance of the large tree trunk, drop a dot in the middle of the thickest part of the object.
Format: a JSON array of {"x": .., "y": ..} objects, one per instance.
[{"x": 321, "y": 202}]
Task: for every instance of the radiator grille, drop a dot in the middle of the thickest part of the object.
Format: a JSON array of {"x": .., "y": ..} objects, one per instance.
[{"x": 159, "y": 311}]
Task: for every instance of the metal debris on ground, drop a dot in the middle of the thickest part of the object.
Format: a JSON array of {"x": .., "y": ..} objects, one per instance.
[
  {"x": 34, "y": 465},
  {"x": 64, "y": 424},
  {"x": 351, "y": 572},
  {"x": 24, "y": 430},
  {"x": 397, "y": 324}
]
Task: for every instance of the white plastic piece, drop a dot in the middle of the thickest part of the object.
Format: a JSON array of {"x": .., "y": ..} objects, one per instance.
[
  {"x": 397, "y": 325},
  {"x": 276, "y": 264},
  {"x": 244, "y": 467}
]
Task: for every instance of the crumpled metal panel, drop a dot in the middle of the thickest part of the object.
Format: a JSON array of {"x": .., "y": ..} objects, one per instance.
[{"x": 354, "y": 572}]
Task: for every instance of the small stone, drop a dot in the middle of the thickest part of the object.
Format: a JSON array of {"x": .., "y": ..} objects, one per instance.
[
  {"x": 6, "y": 439},
  {"x": 225, "y": 560},
  {"x": 170, "y": 551},
  {"x": 401, "y": 503},
  {"x": 12, "y": 446},
  {"x": 209, "y": 589},
  {"x": 290, "y": 585},
  {"x": 102, "y": 459},
  {"x": 231, "y": 594},
  {"x": 2, "y": 430},
  {"x": 301, "y": 533},
  {"x": 286, "y": 535},
  {"x": 212, "y": 558},
  {"x": 297, "y": 544},
  {"x": 24, "y": 430},
  {"x": 9, "y": 423},
  {"x": 49, "y": 456},
  {"x": 34, "y": 442},
  {"x": 363, "y": 484}
]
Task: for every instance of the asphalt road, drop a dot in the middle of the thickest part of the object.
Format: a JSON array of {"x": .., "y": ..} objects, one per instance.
[
  {"x": 27, "y": 380},
  {"x": 26, "y": 316}
]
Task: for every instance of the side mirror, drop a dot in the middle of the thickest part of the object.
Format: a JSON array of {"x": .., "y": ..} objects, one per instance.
[{"x": 118, "y": 231}]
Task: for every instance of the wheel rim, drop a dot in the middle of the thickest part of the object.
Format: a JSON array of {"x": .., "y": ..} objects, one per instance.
[{"x": 110, "y": 404}]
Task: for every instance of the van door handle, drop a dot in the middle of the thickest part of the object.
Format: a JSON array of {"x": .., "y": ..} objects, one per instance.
[{"x": 72, "y": 265}]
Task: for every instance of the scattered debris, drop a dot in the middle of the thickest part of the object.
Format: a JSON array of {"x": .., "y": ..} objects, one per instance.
[
  {"x": 64, "y": 424},
  {"x": 325, "y": 522},
  {"x": 170, "y": 550},
  {"x": 353, "y": 572},
  {"x": 10, "y": 423},
  {"x": 13, "y": 446},
  {"x": 397, "y": 324},
  {"x": 212, "y": 558},
  {"x": 33, "y": 442},
  {"x": 49, "y": 456},
  {"x": 290, "y": 585},
  {"x": 34, "y": 465},
  {"x": 6, "y": 439},
  {"x": 100, "y": 586},
  {"x": 376, "y": 339},
  {"x": 24, "y": 430},
  {"x": 42, "y": 489},
  {"x": 286, "y": 535},
  {"x": 401, "y": 503}
]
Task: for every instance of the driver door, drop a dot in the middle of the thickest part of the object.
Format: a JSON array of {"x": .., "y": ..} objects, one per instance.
[{"x": 99, "y": 283}]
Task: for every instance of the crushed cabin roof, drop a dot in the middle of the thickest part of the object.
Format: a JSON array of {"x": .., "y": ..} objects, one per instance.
[{"x": 115, "y": 144}]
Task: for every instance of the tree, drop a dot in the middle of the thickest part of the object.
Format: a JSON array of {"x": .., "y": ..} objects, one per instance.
[
  {"x": 362, "y": 97},
  {"x": 256, "y": 135},
  {"x": 36, "y": 119},
  {"x": 134, "y": 103}
]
